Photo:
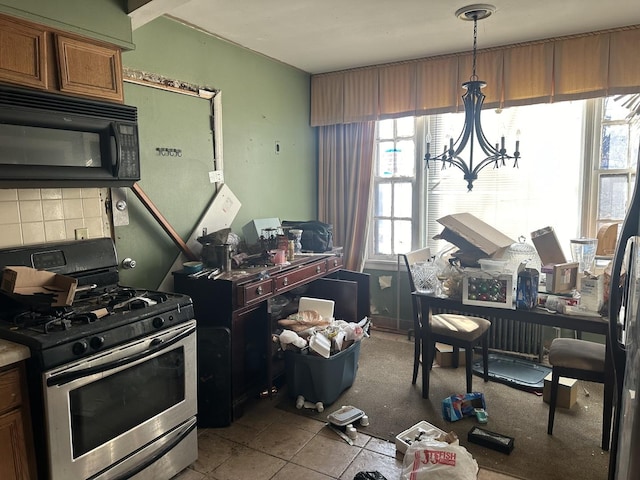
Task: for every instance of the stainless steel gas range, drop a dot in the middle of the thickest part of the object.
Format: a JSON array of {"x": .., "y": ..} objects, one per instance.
[{"x": 112, "y": 378}]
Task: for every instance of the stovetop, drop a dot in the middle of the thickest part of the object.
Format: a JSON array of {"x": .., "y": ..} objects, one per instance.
[{"x": 101, "y": 316}]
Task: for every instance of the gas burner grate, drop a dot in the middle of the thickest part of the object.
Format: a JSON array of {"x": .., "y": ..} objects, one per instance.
[
  {"x": 55, "y": 320},
  {"x": 67, "y": 321}
]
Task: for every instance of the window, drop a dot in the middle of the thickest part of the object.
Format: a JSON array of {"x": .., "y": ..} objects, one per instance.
[
  {"x": 615, "y": 170},
  {"x": 395, "y": 186},
  {"x": 553, "y": 185}
]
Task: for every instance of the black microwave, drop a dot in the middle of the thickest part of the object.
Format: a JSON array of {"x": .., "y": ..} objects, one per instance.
[{"x": 50, "y": 140}]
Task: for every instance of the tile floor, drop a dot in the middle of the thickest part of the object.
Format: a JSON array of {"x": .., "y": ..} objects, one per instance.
[{"x": 267, "y": 443}]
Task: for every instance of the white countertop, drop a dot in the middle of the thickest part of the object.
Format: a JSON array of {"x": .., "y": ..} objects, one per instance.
[{"x": 12, "y": 352}]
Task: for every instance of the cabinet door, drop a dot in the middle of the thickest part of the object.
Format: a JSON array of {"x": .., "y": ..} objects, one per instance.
[
  {"x": 349, "y": 290},
  {"x": 22, "y": 54},
  {"x": 13, "y": 461},
  {"x": 88, "y": 69}
]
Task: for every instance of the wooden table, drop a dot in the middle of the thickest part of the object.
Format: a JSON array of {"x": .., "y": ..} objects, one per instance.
[{"x": 597, "y": 325}]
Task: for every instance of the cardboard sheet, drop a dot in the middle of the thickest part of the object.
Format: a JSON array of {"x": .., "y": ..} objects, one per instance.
[
  {"x": 475, "y": 238},
  {"x": 33, "y": 286}
]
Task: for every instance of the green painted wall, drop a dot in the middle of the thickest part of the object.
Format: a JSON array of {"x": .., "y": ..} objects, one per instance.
[{"x": 263, "y": 101}]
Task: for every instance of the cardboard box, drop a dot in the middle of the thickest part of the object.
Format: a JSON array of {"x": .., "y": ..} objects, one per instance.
[
  {"x": 254, "y": 229},
  {"x": 41, "y": 287},
  {"x": 567, "y": 391},
  {"x": 487, "y": 438},
  {"x": 487, "y": 289},
  {"x": 423, "y": 429},
  {"x": 548, "y": 247},
  {"x": 561, "y": 278},
  {"x": 444, "y": 355},
  {"x": 592, "y": 292},
  {"x": 472, "y": 236}
]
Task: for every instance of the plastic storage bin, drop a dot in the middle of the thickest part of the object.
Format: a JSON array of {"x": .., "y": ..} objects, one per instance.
[{"x": 320, "y": 379}]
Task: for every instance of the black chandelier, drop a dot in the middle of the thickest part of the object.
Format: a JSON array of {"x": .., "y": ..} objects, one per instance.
[{"x": 473, "y": 100}]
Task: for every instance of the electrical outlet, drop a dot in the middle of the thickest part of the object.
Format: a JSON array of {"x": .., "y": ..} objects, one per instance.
[
  {"x": 82, "y": 233},
  {"x": 216, "y": 176}
]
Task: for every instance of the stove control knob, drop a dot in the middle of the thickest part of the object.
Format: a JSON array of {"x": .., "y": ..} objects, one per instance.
[
  {"x": 158, "y": 322},
  {"x": 79, "y": 348},
  {"x": 96, "y": 342}
]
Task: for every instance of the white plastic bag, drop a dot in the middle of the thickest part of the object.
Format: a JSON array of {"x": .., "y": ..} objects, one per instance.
[{"x": 433, "y": 460}]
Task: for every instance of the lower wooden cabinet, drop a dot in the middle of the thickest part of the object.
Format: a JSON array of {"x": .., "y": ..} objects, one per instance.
[{"x": 17, "y": 459}]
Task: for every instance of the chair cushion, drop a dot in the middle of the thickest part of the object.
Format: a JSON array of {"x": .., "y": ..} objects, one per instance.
[
  {"x": 459, "y": 326},
  {"x": 580, "y": 354}
]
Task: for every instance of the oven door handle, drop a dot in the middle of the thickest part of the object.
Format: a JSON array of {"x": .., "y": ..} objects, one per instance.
[
  {"x": 157, "y": 345},
  {"x": 154, "y": 458}
]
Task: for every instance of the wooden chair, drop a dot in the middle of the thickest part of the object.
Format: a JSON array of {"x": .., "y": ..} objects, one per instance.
[
  {"x": 459, "y": 331},
  {"x": 582, "y": 360}
]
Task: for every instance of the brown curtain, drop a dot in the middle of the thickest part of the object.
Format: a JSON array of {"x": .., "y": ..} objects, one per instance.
[{"x": 345, "y": 179}]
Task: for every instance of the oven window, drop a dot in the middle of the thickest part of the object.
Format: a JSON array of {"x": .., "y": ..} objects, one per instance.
[{"x": 111, "y": 406}]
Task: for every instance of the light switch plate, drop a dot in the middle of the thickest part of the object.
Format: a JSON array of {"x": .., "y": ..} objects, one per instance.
[
  {"x": 120, "y": 208},
  {"x": 216, "y": 176}
]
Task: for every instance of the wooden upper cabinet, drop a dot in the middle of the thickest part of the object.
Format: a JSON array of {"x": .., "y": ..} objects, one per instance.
[
  {"x": 89, "y": 69},
  {"x": 23, "y": 54},
  {"x": 38, "y": 56}
]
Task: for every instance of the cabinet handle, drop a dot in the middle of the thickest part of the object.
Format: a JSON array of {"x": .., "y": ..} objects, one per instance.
[
  {"x": 335, "y": 262},
  {"x": 318, "y": 269},
  {"x": 285, "y": 281},
  {"x": 259, "y": 290}
]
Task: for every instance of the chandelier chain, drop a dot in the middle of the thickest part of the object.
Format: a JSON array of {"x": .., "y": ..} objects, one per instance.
[{"x": 475, "y": 45}]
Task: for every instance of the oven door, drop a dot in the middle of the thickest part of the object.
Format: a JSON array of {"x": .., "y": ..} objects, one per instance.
[{"x": 105, "y": 409}]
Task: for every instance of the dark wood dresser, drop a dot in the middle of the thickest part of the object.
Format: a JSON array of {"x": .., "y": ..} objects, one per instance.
[{"x": 237, "y": 358}]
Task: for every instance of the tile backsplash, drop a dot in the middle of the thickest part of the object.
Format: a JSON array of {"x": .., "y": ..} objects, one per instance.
[{"x": 29, "y": 216}]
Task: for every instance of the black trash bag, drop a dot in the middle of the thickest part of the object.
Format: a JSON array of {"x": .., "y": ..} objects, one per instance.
[
  {"x": 369, "y": 476},
  {"x": 316, "y": 236}
]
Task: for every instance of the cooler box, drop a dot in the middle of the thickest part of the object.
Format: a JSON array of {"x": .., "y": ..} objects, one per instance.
[{"x": 320, "y": 379}]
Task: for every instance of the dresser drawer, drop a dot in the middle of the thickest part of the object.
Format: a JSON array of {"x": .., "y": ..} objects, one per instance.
[
  {"x": 254, "y": 292},
  {"x": 10, "y": 393},
  {"x": 292, "y": 278},
  {"x": 334, "y": 263}
]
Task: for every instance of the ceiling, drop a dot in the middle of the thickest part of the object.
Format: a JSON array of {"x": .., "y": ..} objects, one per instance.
[{"x": 321, "y": 36}]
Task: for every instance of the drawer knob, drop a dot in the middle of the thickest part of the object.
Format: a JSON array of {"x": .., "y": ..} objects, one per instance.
[
  {"x": 318, "y": 269},
  {"x": 259, "y": 290},
  {"x": 335, "y": 262},
  {"x": 285, "y": 281}
]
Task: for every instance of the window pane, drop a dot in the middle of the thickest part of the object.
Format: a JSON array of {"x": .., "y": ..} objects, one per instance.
[
  {"x": 383, "y": 237},
  {"x": 383, "y": 200},
  {"x": 385, "y": 129},
  {"x": 612, "y": 199},
  {"x": 406, "y": 127},
  {"x": 615, "y": 146},
  {"x": 405, "y": 158},
  {"x": 403, "y": 198},
  {"x": 402, "y": 239},
  {"x": 386, "y": 159},
  {"x": 615, "y": 109}
]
